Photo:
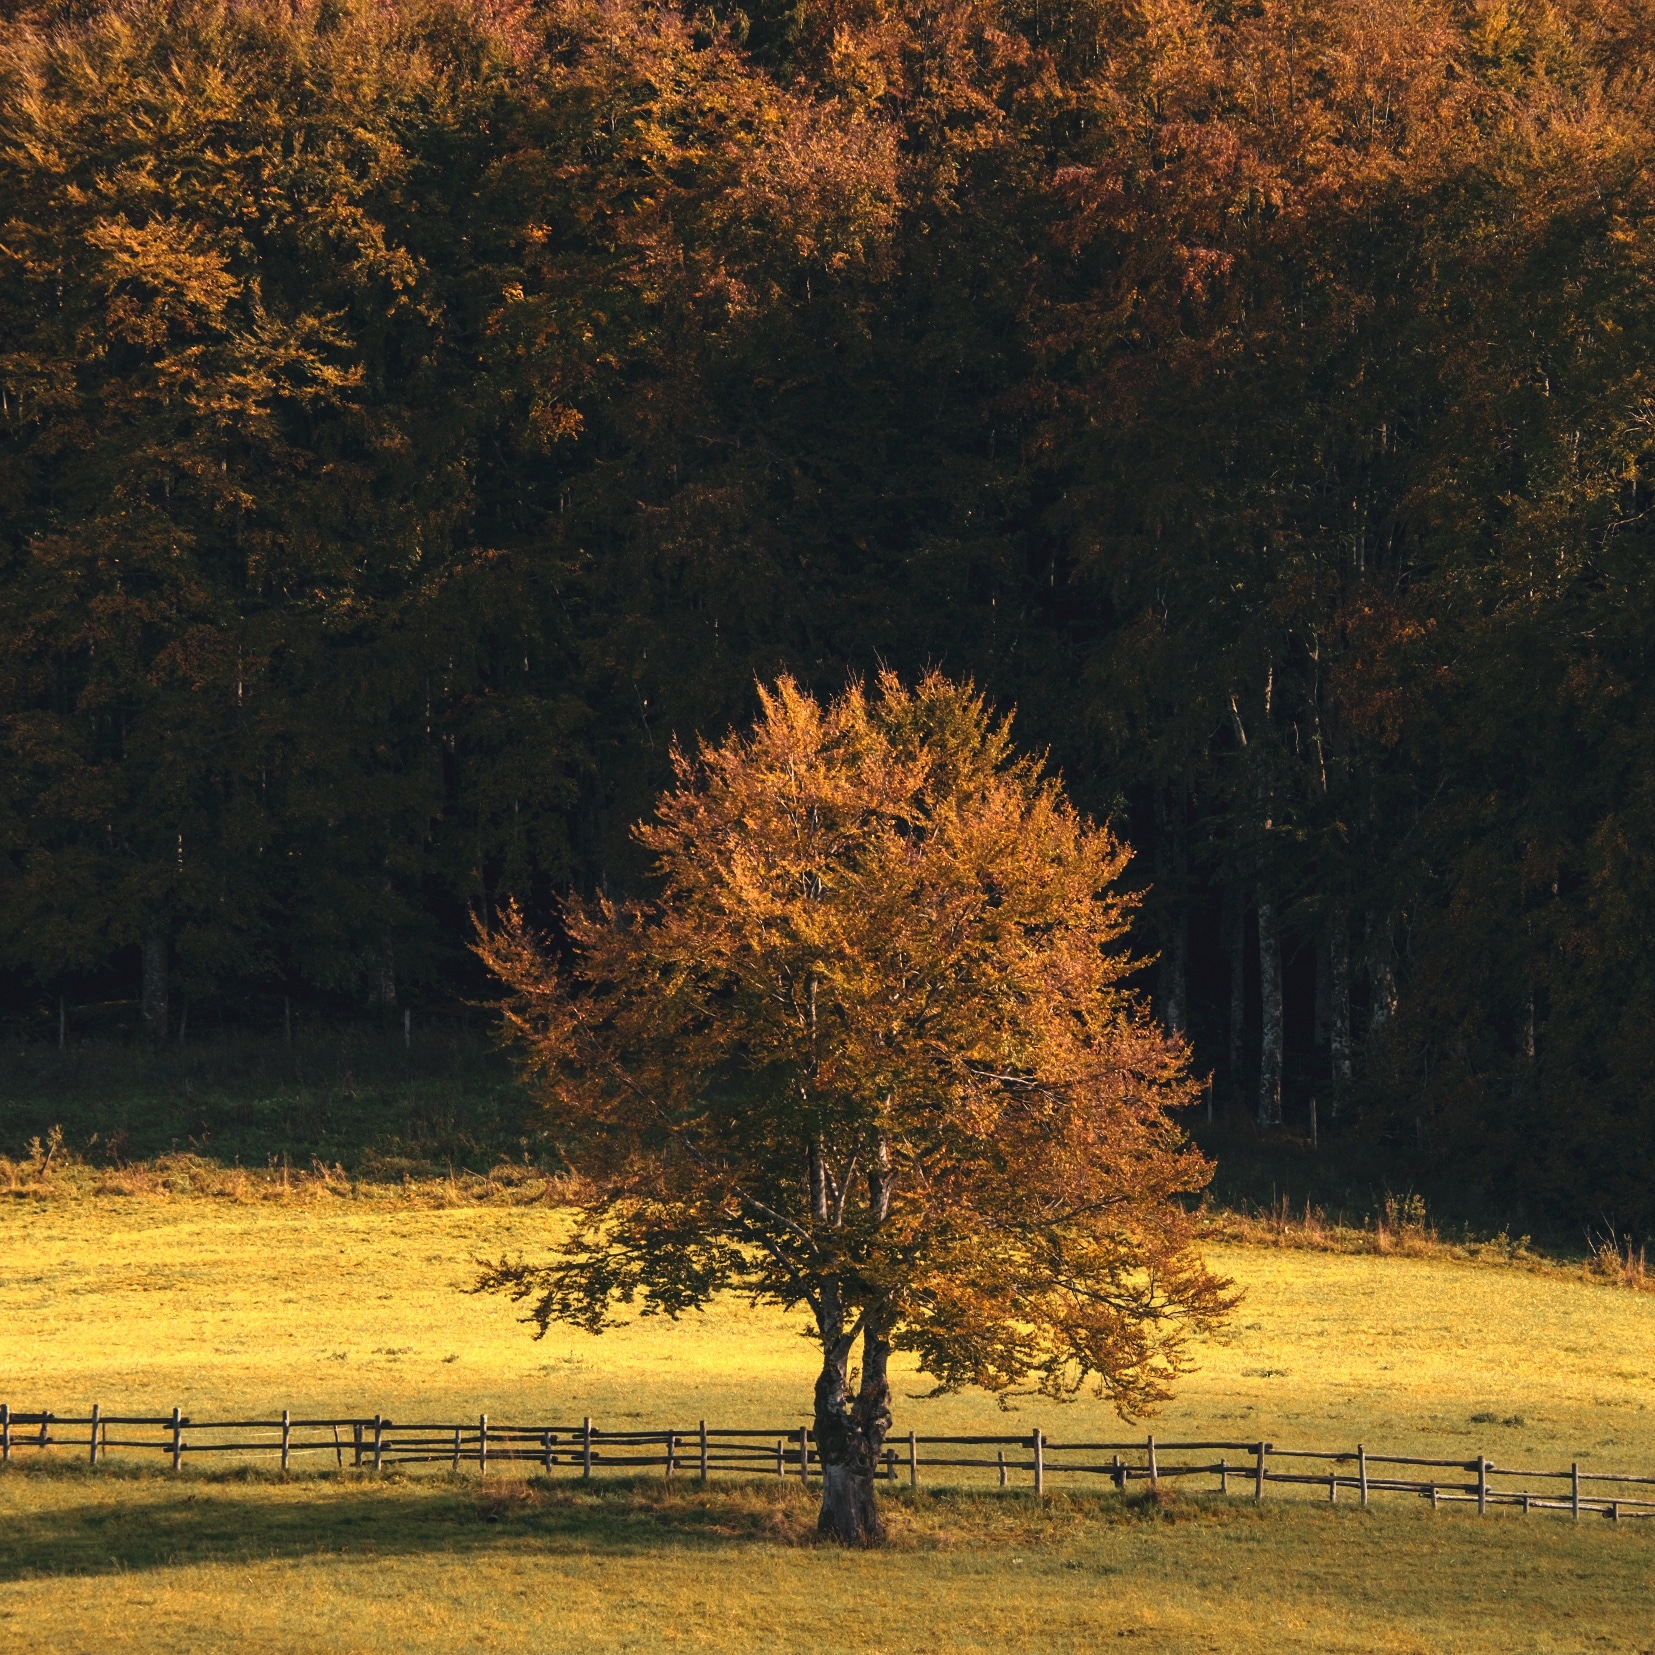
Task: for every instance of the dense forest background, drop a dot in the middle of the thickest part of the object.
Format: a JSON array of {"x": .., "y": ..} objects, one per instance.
[{"x": 415, "y": 415}]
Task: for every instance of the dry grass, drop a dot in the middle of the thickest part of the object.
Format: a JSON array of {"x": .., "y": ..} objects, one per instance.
[
  {"x": 1404, "y": 1229},
  {"x": 52, "y": 1171},
  {"x": 357, "y": 1304}
]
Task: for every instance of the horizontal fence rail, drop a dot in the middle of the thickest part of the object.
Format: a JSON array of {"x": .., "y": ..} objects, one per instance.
[{"x": 376, "y": 1442}]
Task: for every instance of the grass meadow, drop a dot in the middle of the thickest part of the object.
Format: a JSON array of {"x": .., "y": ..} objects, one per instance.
[{"x": 329, "y": 1302}]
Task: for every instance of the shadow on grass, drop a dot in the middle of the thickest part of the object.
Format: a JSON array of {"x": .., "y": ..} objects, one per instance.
[{"x": 61, "y": 1520}]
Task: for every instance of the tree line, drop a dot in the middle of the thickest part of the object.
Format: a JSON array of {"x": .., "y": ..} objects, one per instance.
[{"x": 414, "y": 418}]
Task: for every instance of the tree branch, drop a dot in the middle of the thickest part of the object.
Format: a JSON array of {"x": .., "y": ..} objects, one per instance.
[
  {"x": 843, "y": 1190},
  {"x": 776, "y": 1218}
]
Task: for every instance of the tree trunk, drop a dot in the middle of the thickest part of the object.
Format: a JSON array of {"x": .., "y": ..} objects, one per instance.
[
  {"x": 850, "y": 1437},
  {"x": 154, "y": 998},
  {"x": 382, "y": 985},
  {"x": 1234, "y": 924},
  {"x": 1339, "y": 1007},
  {"x": 1270, "y": 1030},
  {"x": 1381, "y": 980},
  {"x": 1171, "y": 875},
  {"x": 1175, "y": 941}
]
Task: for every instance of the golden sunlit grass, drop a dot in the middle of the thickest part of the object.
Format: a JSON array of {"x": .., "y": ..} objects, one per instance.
[
  {"x": 330, "y": 1303},
  {"x": 357, "y": 1305}
]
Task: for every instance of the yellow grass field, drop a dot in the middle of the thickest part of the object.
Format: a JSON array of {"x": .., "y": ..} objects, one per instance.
[{"x": 333, "y": 1303}]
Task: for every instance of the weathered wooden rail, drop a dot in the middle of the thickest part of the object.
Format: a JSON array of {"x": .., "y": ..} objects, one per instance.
[{"x": 374, "y": 1442}]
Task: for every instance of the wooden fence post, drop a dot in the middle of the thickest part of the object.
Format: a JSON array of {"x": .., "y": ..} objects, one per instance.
[
  {"x": 1039, "y": 1444},
  {"x": 1258, "y": 1471},
  {"x": 913, "y": 1460},
  {"x": 356, "y": 1445},
  {"x": 1574, "y": 1487},
  {"x": 703, "y": 1452},
  {"x": 482, "y": 1445},
  {"x": 338, "y": 1447},
  {"x": 546, "y": 1450},
  {"x": 1223, "y": 1474},
  {"x": 781, "y": 1459},
  {"x": 672, "y": 1443},
  {"x": 97, "y": 1413},
  {"x": 804, "y": 1453},
  {"x": 177, "y": 1439},
  {"x": 1000, "y": 1455},
  {"x": 5, "y": 1433},
  {"x": 1482, "y": 1484},
  {"x": 45, "y": 1425},
  {"x": 456, "y": 1464},
  {"x": 379, "y": 1443},
  {"x": 287, "y": 1435},
  {"x": 586, "y": 1448},
  {"x": 1362, "y": 1471},
  {"x": 1154, "y": 1469}
]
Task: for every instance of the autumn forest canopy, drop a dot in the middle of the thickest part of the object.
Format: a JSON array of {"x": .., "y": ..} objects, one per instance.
[{"x": 416, "y": 416}]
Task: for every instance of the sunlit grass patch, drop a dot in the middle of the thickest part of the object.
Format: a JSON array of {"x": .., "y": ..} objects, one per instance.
[{"x": 357, "y": 1307}]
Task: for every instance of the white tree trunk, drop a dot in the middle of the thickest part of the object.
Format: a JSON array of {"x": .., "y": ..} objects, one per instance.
[
  {"x": 154, "y": 993},
  {"x": 1339, "y": 1007},
  {"x": 1172, "y": 866},
  {"x": 382, "y": 982},
  {"x": 1381, "y": 980},
  {"x": 1270, "y": 1022},
  {"x": 1174, "y": 974},
  {"x": 1234, "y": 939}
]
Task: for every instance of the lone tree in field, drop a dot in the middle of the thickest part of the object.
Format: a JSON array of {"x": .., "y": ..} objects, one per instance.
[{"x": 867, "y": 1051}]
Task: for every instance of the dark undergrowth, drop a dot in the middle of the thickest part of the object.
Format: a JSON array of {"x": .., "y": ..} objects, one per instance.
[
  {"x": 435, "y": 1110},
  {"x": 360, "y": 1097}
]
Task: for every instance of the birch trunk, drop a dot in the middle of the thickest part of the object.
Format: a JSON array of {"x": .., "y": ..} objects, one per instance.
[
  {"x": 1174, "y": 972},
  {"x": 1381, "y": 980},
  {"x": 1339, "y": 1008},
  {"x": 1235, "y": 946},
  {"x": 154, "y": 992},
  {"x": 1172, "y": 866},
  {"x": 1270, "y": 1021},
  {"x": 382, "y": 986}
]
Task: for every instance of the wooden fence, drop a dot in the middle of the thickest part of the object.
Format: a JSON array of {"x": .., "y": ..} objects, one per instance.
[{"x": 375, "y": 1442}]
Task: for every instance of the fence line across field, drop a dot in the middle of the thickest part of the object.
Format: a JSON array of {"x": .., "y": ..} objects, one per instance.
[{"x": 374, "y": 1441}]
